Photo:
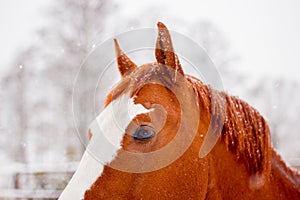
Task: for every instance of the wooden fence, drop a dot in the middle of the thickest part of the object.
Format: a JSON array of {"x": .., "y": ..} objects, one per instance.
[{"x": 36, "y": 181}]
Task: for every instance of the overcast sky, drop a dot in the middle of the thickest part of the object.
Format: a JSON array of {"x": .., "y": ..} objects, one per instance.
[
  {"x": 265, "y": 34},
  {"x": 18, "y": 20}
]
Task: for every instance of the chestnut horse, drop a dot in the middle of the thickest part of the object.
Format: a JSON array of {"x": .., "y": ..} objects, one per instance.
[{"x": 163, "y": 103}]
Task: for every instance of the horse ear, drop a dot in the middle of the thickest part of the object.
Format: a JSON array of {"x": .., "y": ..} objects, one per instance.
[
  {"x": 124, "y": 63},
  {"x": 164, "y": 51}
]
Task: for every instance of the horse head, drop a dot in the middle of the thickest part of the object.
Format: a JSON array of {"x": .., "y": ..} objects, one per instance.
[{"x": 146, "y": 142}]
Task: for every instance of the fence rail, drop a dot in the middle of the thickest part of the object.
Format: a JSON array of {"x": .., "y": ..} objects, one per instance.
[
  {"x": 36, "y": 181},
  {"x": 29, "y": 194}
]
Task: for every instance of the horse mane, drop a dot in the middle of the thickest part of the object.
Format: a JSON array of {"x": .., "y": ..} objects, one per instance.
[{"x": 245, "y": 132}]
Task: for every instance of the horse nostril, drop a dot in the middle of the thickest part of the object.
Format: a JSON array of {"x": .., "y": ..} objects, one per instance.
[{"x": 143, "y": 133}]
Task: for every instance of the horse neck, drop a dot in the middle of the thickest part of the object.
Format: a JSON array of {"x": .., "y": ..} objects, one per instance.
[
  {"x": 245, "y": 133},
  {"x": 243, "y": 156}
]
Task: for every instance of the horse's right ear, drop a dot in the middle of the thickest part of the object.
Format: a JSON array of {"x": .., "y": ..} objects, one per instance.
[
  {"x": 124, "y": 63},
  {"x": 164, "y": 51}
]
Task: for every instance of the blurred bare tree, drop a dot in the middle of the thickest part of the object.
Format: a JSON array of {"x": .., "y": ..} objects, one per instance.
[{"x": 37, "y": 105}]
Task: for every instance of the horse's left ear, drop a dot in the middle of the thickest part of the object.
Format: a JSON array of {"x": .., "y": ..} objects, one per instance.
[
  {"x": 164, "y": 51},
  {"x": 124, "y": 63}
]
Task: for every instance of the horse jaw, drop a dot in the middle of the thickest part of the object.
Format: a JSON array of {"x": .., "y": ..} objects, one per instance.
[{"x": 108, "y": 130}]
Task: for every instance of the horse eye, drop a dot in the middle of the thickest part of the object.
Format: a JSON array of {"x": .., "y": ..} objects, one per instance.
[{"x": 143, "y": 133}]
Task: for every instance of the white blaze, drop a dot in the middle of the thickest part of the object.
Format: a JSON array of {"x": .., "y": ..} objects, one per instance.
[{"x": 108, "y": 130}]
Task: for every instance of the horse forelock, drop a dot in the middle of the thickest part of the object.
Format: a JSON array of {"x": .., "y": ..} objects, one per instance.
[
  {"x": 245, "y": 132},
  {"x": 138, "y": 77}
]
